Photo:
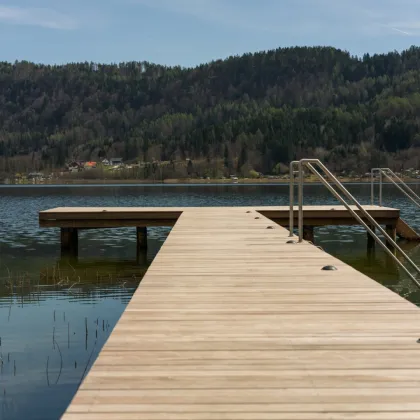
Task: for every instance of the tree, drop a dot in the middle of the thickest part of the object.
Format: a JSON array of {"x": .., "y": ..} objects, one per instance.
[
  {"x": 189, "y": 167},
  {"x": 226, "y": 157},
  {"x": 243, "y": 158}
]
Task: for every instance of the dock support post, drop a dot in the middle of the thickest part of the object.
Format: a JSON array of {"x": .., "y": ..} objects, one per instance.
[
  {"x": 370, "y": 240},
  {"x": 308, "y": 234},
  {"x": 141, "y": 239},
  {"x": 392, "y": 232},
  {"x": 371, "y": 244},
  {"x": 69, "y": 241},
  {"x": 141, "y": 259}
]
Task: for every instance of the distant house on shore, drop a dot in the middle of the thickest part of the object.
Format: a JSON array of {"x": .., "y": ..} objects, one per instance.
[
  {"x": 35, "y": 175},
  {"x": 116, "y": 162},
  {"x": 106, "y": 162},
  {"x": 90, "y": 165},
  {"x": 75, "y": 166}
]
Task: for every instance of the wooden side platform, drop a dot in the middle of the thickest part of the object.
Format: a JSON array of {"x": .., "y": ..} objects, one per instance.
[
  {"x": 232, "y": 322},
  {"x": 72, "y": 219},
  {"x": 109, "y": 217}
]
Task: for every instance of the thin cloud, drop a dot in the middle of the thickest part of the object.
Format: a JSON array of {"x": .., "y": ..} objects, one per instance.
[
  {"x": 46, "y": 18},
  {"x": 410, "y": 28},
  {"x": 374, "y": 18},
  {"x": 272, "y": 16},
  {"x": 217, "y": 11},
  {"x": 401, "y": 32},
  {"x": 394, "y": 16},
  {"x": 299, "y": 17}
]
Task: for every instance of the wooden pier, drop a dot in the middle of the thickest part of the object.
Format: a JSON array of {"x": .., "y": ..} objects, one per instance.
[
  {"x": 73, "y": 219},
  {"x": 233, "y": 322}
]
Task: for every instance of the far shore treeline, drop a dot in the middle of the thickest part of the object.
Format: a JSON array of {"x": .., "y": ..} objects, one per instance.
[{"x": 240, "y": 116}]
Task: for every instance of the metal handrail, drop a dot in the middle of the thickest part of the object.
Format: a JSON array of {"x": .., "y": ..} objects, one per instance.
[
  {"x": 398, "y": 182},
  {"x": 310, "y": 164},
  {"x": 292, "y": 195}
]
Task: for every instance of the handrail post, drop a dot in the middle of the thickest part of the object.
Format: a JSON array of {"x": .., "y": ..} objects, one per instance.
[
  {"x": 372, "y": 188},
  {"x": 300, "y": 199},
  {"x": 380, "y": 187},
  {"x": 292, "y": 197}
]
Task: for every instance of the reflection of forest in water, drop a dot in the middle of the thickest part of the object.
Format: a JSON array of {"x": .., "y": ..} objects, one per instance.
[
  {"x": 77, "y": 279},
  {"x": 54, "y": 322}
]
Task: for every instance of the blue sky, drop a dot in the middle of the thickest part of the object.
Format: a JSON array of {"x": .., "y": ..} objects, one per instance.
[{"x": 189, "y": 32}]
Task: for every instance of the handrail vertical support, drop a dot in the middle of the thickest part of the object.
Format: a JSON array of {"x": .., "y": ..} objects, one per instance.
[
  {"x": 372, "y": 187},
  {"x": 380, "y": 188},
  {"x": 292, "y": 198},
  {"x": 300, "y": 198}
]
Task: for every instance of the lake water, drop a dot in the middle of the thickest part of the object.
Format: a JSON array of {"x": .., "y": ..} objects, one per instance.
[{"x": 55, "y": 315}]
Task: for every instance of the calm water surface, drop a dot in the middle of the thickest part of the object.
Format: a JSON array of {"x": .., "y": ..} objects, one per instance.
[{"x": 55, "y": 314}]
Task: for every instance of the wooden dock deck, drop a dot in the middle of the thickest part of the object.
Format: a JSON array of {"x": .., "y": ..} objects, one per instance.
[{"x": 232, "y": 322}]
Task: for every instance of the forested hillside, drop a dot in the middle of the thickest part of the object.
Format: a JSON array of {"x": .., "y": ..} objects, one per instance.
[{"x": 257, "y": 111}]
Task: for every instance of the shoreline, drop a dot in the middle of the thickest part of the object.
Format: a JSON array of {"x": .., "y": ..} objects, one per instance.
[{"x": 244, "y": 181}]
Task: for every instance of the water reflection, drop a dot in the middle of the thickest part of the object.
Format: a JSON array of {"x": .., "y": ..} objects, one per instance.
[
  {"x": 86, "y": 280},
  {"x": 54, "y": 321}
]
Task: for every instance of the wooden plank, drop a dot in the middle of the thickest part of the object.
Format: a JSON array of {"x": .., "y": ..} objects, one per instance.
[
  {"x": 230, "y": 322},
  {"x": 244, "y": 415},
  {"x": 242, "y": 378},
  {"x": 289, "y": 398}
]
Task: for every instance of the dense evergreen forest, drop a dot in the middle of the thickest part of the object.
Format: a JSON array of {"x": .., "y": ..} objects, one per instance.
[{"x": 254, "y": 112}]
